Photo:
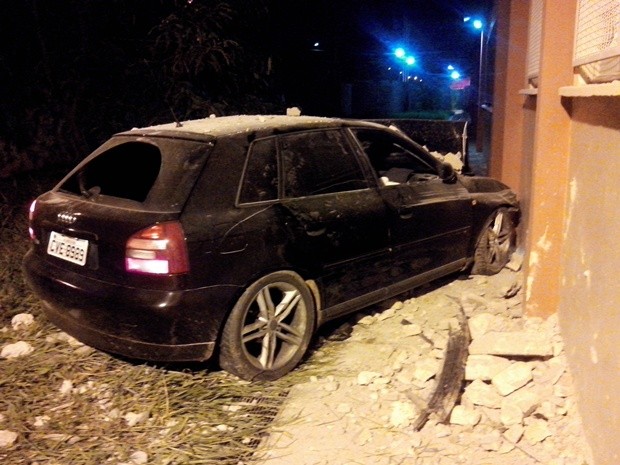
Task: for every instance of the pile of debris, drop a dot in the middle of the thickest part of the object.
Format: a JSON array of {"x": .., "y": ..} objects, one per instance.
[
  {"x": 369, "y": 399},
  {"x": 519, "y": 391}
]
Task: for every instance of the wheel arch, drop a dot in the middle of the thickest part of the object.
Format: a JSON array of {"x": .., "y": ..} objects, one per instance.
[
  {"x": 485, "y": 206},
  {"x": 239, "y": 356},
  {"x": 311, "y": 283}
]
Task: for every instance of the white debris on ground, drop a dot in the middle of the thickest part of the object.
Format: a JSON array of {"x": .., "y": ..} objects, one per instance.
[
  {"x": 137, "y": 458},
  {"x": 22, "y": 320},
  {"x": 517, "y": 405},
  {"x": 17, "y": 349}
]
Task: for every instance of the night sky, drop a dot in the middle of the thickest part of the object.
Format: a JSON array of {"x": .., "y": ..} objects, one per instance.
[
  {"x": 357, "y": 39},
  {"x": 365, "y": 30},
  {"x": 59, "y": 60}
]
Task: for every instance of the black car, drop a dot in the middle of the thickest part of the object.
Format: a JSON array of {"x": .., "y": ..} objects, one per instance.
[{"x": 239, "y": 236}]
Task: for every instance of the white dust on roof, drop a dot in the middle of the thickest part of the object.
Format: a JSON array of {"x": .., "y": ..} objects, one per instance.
[{"x": 236, "y": 124}]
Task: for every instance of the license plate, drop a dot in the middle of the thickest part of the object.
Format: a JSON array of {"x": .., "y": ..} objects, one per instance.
[{"x": 68, "y": 248}]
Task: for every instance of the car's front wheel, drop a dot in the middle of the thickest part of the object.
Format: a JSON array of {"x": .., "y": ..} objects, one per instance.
[
  {"x": 269, "y": 329},
  {"x": 495, "y": 243}
]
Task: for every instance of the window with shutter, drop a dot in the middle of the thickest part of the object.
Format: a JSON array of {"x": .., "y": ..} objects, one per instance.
[
  {"x": 534, "y": 42},
  {"x": 597, "y": 40}
]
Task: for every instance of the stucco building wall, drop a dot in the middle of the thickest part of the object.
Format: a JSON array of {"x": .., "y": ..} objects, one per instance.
[
  {"x": 590, "y": 289},
  {"x": 562, "y": 154}
]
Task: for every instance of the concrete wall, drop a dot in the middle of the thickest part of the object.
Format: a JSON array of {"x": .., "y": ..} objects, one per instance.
[{"x": 590, "y": 288}]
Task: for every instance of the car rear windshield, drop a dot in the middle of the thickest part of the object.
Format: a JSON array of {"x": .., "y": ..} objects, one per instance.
[{"x": 155, "y": 172}]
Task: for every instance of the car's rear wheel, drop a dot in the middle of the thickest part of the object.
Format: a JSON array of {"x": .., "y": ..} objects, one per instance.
[
  {"x": 269, "y": 329},
  {"x": 495, "y": 243}
]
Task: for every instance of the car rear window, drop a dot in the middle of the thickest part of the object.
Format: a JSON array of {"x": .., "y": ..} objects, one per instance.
[
  {"x": 155, "y": 172},
  {"x": 127, "y": 171}
]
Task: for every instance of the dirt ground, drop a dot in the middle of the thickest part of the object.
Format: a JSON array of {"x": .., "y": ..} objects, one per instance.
[{"x": 367, "y": 391}]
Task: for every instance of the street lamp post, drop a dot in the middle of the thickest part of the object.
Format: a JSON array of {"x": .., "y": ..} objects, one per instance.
[
  {"x": 480, "y": 124},
  {"x": 407, "y": 60},
  {"x": 479, "y": 25}
]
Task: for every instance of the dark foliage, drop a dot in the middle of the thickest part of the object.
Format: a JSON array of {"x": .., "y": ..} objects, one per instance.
[{"x": 72, "y": 72}]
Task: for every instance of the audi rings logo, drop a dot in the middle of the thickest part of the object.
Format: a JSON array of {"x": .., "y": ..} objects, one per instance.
[{"x": 66, "y": 218}]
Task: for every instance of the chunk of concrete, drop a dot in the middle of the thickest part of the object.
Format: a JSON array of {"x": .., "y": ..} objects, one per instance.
[
  {"x": 464, "y": 416},
  {"x": 18, "y": 349},
  {"x": 481, "y": 393},
  {"x": 511, "y": 414},
  {"x": 514, "y": 433},
  {"x": 537, "y": 431},
  {"x": 402, "y": 414},
  {"x": 512, "y": 343},
  {"x": 484, "y": 367},
  {"x": 426, "y": 368},
  {"x": 7, "y": 438},
  {"x": 480, "y": 324},
  {"x": 512, "y": 378},
  {"x": 526, "y": 399},
  {"x": 471, "y": 302},
  {"x": 364, "y": 378}
]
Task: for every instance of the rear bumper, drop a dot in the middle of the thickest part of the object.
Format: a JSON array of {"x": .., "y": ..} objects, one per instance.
[
  {"x": 142, "y": 350},
  {"x": 155, "y": 325}
]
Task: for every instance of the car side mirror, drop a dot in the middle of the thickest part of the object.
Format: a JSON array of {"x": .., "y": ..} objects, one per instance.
[{"x": 447, "y": 173}]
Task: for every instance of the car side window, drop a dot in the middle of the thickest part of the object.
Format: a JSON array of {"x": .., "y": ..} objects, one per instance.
[
  {"x": 391, "y": 157},
  {"x": 319, "y": 162},
  {"x": 260, "y": 180}
]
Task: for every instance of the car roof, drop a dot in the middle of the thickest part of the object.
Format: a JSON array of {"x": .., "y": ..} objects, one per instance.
[{"x": 240, "y": 124}]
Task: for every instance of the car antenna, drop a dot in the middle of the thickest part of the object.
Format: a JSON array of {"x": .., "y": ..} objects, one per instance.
[
  {"x": 174, "y": 116},
  {"x": 176, "y": 120}
]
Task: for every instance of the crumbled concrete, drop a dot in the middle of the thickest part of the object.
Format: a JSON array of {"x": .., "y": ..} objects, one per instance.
[
  {"x": 481, "y": 393},
  {"x": 17, "y": 349},
  {"x": 518, "y": 405},
  {"x": 484, "y": 367},
  {"x": 7, "y": 438},
  {"x": 22, "y": 320},
  {"x": 465, "y": 416},
  {"x": 517, "y": 343},
  {"x": 512, "y": 378}
]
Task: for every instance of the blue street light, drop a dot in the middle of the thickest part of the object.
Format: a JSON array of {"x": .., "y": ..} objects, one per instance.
[
  {"x": 478, "y": 24},
  {"x": 455, "y": 75},
  {"x": 400, "y": 52},
  {"x": 408, "y": 60}
]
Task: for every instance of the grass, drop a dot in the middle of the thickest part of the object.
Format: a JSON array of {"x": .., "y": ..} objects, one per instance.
[{"x": 72, "y": 405}]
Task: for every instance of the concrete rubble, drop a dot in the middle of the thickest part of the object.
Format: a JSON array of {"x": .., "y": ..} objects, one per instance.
[{"x": 362, "y": 395}]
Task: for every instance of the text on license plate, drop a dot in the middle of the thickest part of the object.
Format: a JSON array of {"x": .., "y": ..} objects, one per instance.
[{"x": 68, "y": 248}]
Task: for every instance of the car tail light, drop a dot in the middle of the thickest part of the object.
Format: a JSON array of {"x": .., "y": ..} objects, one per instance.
[
  {"x": 158, "y": 249},
  {"x": 31, "y": 210}
]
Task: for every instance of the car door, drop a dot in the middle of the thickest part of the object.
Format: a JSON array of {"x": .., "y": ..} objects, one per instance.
[
  {"x": 338, "y": 222},
  {"x": 429, "y": 218}
]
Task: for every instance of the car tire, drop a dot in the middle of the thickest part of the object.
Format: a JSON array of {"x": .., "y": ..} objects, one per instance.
[
  {"x": 269, "y": 329},
  {"x": 495, "y": 243}
]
